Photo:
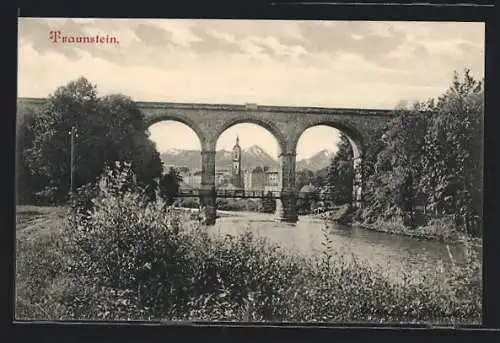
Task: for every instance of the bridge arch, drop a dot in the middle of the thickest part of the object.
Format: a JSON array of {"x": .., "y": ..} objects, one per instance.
[
  {"x": 354, "y": 136},
  {"x": 356, "y": 140},
  {"x": 269, "y": 125},
  {"x": 194, "y": 126}
]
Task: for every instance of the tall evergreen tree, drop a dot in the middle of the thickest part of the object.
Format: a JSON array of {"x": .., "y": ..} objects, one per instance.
[{"x": 341, "y": 173}]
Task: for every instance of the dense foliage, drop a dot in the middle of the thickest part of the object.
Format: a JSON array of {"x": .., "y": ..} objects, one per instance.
[
  {"x": 129, "y": 258},
  {"x": 25, "y": 182},
  {"x": 425, "y": 166},
  {"x": 109, "y": 128},
  {"x": 170, "y": 185},
  {"x": 341, "y": 174},
  {"x": 303, "y": 178}
]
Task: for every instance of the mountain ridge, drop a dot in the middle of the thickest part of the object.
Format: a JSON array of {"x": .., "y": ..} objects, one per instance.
[{"x": 251, "y": 158}]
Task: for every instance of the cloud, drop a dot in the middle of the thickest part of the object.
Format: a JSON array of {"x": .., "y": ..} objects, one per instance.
[
  {"x": 353, "y": 37},
  {"x": 154, "y": 36},
  {"x": 212, "y": 42},
  {"x": 296, "y": 63},
  {"x": 333, "y": 64}
]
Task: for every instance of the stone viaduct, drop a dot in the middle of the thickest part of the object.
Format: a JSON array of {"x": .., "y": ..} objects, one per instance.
[{"x": 286, "y": 124}]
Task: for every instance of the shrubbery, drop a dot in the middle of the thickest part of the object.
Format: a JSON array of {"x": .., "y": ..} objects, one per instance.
[{"x": 128, "y": 258}]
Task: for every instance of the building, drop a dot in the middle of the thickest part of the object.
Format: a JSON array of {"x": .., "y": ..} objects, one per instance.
[
  {"x": 262, "y": 178},
  {"x": 272, "y": 178},
  {"x": 258, "y": 179},
  {"x": 236, "y": 176}
]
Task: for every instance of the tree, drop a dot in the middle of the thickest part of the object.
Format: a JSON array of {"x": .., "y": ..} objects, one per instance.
[
  {"x": 392, "y": 182},
  {"x": 320, "y": 178},
  {"x": 109, "y": 129},
  {"x": 169, "y": 185},
  {"x": 26, "y": 184},
  {"x": 49, "y": 157},
  {"x": 453, "y": 154},
  {"x": 430, "y": 157},
  {"x": 341, "y": 173},
  {"x": 304, "y": 177}
]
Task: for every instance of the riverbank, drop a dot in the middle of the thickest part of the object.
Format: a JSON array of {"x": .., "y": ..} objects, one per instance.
[{"x": 437, "y": 232}]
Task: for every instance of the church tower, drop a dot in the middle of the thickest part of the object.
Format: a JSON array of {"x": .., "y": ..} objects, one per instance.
[{"x": 237, "y": 179}]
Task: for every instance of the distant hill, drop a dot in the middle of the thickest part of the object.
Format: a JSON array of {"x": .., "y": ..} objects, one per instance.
[
  {"x": 316, "y": 162},
  {"x": 179, "y": 158},
  {"x": 255, "y": 157},
  {"x": 251, "y": 158}
]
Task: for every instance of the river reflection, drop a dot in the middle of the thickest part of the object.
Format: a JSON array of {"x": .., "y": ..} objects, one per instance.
[{"x": 306, "y": 236}]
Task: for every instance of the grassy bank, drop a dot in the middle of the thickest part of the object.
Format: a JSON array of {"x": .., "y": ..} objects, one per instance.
[
  {"x": 342, "y": 214},
  {"x": 440, "y": 230}
]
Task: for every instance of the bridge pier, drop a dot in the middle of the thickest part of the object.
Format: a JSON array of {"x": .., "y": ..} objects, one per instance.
[
  {"x": 207, "y": 190},
  {"x": 287, "y": 210},
  {"x": 208, "y": 205}
]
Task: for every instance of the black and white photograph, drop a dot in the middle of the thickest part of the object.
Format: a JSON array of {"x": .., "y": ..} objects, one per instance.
[{"x": 256, "y": 171}]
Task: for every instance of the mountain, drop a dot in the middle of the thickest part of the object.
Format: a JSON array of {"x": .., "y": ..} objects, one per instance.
[
  {"x": 316, "y": 162},
  {"x": 256, "y": 157},
  {"x": 179, "y": 158},
  {"x": 252, "y": 157}
]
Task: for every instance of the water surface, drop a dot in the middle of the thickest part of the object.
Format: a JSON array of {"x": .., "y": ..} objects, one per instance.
[{"x": 306, "y": 236}]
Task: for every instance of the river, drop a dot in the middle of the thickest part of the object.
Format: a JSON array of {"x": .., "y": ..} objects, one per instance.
[{"x": 397, "y": 252}]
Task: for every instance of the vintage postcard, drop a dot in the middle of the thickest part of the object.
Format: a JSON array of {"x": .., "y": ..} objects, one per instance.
[{"x": 249, "y": 170}]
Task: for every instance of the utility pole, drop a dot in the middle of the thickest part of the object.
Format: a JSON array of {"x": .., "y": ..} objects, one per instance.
[{"x": 73, "y": 135}]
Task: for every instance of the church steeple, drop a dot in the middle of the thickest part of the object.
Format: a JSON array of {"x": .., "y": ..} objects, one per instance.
[
  {"x": 237, "y": 150},
  {"x": 237, "y": 177}
]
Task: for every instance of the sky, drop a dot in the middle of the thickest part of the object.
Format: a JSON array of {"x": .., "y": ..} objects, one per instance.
[{"x": 355, "y": 64}]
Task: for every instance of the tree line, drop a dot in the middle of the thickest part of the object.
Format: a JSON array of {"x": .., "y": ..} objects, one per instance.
[
  {"x": 426, "y": 164},
  {"x": 109, "y": 128}
]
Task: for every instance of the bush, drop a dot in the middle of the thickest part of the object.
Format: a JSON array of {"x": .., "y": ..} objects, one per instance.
[{"x": 128, "y": 258}]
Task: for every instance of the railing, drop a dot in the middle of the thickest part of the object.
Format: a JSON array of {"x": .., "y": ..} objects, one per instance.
[{"x": 246, "y": 193}]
